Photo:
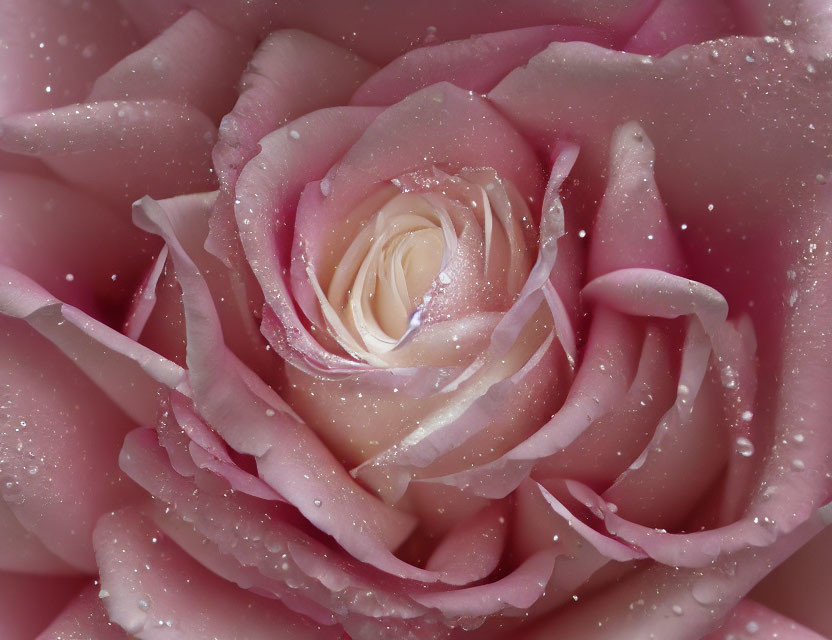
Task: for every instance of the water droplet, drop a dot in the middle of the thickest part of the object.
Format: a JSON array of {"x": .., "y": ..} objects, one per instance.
[
  {"x": 317, "y": 502},
  {"x": 745, "y": 447},
  {"x": 798, "y": 438},
  {"x": 677, "y": 609},
  {"x": 69, "y": 277},
  {"x": 270, "y": 412},
  {"x": 752, "y": 627},
  {"x": 747, "y": 416},
  {"x": 798, "y": 465},
  {"x": 294, "y": 134},
  {"x": 729, "y": 377},
  {"x": 143, "y": 605},
  {"x": 705, "y": 592},
  {"x": 103, "y": 594},
  {"x": 158, "y": 64},
  {"x": 444, "y": 278}
]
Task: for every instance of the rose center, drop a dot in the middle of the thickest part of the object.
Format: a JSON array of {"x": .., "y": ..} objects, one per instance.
[{"x": 388, "y": 270}]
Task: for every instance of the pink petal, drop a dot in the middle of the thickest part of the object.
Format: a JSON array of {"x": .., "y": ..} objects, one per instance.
[
  {"x": 671, "y": 603},
  {"x": 144, "y": 301},
  {"x": 750, "y": 620},
  {"x": 167, "y": 145},
  {"x": 606, "y": 546},
  {"x": 22, "y": 551},
  {"x": 654, "y": 293},
  {"x": 631, "y": 227},
  {"x": 265, "y": 217},
  {"x": 152, "y": 18},
  {"x": 208, "y": 452},
  {"x": 472, "y": 550},
  {"x": 614, "y": 440},
  {"x": 59, "y": 447},
  {"x": 70, "y": 244},
  {"x": 584, "y": 92},
  {"x": 675, "y": 22},
  {"x": 168, "y": 590},
  {"x": 738, "y": 347},
  {"x": 194, "y": 61},
  {"x": 270, "y": 555},
  {"x": 315, "y": 483},
  {"x": 125, "y": 370},
  {"x": 687, "y": 452},
  {"x": 84, "y": 618},
  {"x": 220, "y": 562},
  {"x": 806, "y": 21},
  {"x": 380, "y": 32},
  {"x": 609, "y": 364},
  {"x": 52, "y": 52},
  {"x": 476, "y": 63},
  {"x": 537, "y": 287},
  {"x": 455, "y": 128},
  {"x": 799, "y": 588},
  {"x": 519, "y": 590},
  {"x": 292, "y": 73},
  {"x": 164, "y": 331},
  {"x": 29, "y": 603}
]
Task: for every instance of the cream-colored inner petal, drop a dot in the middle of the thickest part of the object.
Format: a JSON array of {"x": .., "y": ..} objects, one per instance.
[
  {"x": 407, "y": 268},
  {"x": 397, "y": 272}
]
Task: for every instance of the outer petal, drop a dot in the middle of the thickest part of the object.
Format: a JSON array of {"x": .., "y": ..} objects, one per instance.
[
  {"x": 70, "y": 244},
  {"x": 194, "y": 62},
  {"x": 254, "y": 420},
  {"x": 84, "y": 619},
  {"x": 167, "y": 144},
  {"x": 22, "y": 551},
  {"x": 805, "y": 20},
  {"x": 150, "y": 587},
  {"x": 670, "y": 603},
  {"x": 749, "y": 620},
  {"x": 291, "y": 73},
  {"x": 676, "y": 22},
  {"x": 164, "y": 330},
  {"x": 59, "y": 443},
  {"x": 52, "y": 51},
  {"x": 799, "y": 587},
  {"x": 28, "y": 603},
  {"x": 125, "y": 370},
  {"x": 380, "y": 31},
  {"x": 584, "y": 92},
  {"x": 476, "y": 63}
]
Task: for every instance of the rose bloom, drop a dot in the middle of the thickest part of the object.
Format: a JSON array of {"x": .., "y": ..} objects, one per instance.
[{"x": 437, "y": 319}]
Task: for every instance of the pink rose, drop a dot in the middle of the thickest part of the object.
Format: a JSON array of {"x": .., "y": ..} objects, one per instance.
[{"x": 415, "y": 333}]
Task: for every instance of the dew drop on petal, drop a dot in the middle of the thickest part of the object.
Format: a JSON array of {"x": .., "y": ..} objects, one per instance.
[{"x": 745, "y": 447}]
